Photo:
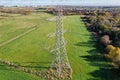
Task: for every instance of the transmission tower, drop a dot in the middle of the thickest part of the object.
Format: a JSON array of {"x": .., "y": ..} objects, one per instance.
[{"x": 60, "y": 59}]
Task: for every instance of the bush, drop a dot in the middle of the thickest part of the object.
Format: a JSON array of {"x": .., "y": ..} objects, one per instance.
[{"x": 105, "y": 40}]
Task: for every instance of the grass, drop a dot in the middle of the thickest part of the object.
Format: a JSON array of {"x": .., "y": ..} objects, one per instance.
[
  {"x": 13, "y": 26},
  {"x": 10, "y": 74},
  {"x": 77, "y": 38},
  {"x": 33, "y": 49}
]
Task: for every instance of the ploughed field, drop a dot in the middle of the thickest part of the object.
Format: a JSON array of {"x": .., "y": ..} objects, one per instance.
[{"x": 28, "y": 40}]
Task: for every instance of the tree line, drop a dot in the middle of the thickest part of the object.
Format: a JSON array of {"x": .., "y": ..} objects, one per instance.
[
  {"x": 106, "y": 27},
  {"x": 23, "y": 11}
]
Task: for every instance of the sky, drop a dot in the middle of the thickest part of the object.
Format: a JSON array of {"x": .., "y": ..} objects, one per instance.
[{"x": 59, "y": 2}]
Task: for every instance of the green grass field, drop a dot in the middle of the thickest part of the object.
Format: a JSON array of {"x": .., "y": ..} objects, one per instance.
[{"x": 33, "y": 49}]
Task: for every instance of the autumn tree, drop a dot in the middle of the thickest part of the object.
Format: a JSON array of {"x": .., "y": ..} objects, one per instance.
[{"x": 114, "y": 55}]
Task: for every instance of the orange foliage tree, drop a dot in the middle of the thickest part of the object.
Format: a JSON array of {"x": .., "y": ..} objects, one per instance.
[{"x": 114, "y": 54}]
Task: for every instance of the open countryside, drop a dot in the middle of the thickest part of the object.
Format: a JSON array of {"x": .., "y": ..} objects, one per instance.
[{"x": 27, "y": 40}]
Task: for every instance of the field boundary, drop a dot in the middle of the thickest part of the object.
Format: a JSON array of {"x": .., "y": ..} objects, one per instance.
[{"x": 41, "y": 74}]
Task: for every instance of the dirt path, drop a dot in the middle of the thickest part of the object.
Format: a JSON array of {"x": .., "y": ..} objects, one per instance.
[{"x": 9, "y": 41}]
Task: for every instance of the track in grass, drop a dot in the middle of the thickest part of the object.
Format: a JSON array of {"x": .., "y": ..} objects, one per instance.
[{"x": 18, "y": 36}]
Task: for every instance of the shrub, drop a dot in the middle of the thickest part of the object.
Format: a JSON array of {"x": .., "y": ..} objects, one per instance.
[{"x": 105, "y": 40}]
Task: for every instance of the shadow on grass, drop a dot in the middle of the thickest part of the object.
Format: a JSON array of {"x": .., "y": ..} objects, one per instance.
[
  {"x": 106, "y": 74},
  {"x": 42, "y": 62},
  {"x": 105, "y": 70},
  {"x": 90, "y": 43},
  {"x": 36, "y": 65},
  {"x": 4, "y": 67},
  {"x": 28, "y": 65},
  {"x": 95, "y": 58},
  {"x": 85, "y": 44},
  {"x": 43, "y": 65}
]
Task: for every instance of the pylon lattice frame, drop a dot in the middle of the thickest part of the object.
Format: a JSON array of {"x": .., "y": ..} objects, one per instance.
[{"x": 60, "y": 58}]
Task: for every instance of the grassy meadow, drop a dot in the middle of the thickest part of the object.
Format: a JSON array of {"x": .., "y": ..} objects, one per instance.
[{"x": 33, "y": 49}]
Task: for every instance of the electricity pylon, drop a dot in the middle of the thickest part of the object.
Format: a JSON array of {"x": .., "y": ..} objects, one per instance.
[{"x": 60, "y": 59}]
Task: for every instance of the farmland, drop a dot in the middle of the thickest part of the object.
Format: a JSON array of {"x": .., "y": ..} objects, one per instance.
[{"x": 32, "y": 50}]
